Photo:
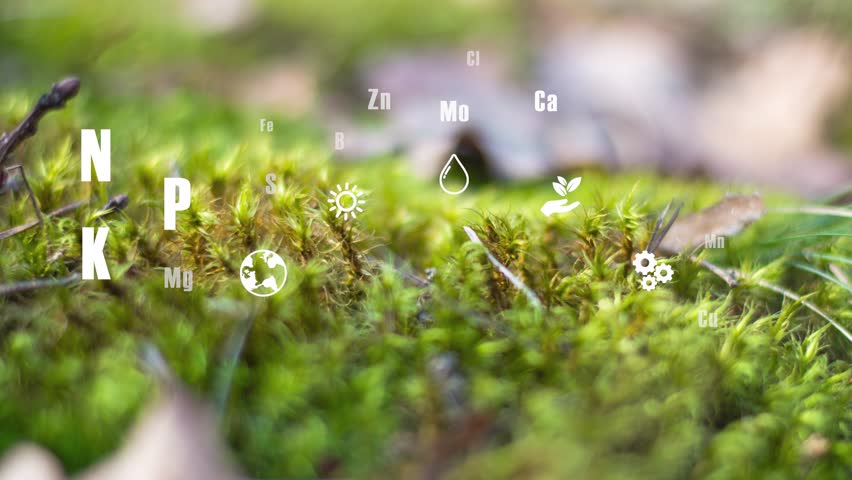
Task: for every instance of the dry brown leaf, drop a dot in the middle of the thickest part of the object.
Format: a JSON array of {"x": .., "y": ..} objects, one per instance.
[{"x": 727, "y": 217}]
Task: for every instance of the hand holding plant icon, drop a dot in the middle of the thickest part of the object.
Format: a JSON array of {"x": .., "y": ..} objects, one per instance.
[{"x": 563, "y": 187}]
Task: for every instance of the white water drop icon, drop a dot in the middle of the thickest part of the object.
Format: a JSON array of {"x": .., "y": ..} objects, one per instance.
[{"x": 454, "y": 160}]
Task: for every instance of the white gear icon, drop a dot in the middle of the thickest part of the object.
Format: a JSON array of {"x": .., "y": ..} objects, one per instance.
[
  {"x": 663, "y": 273},
  {"x": 648, "y": 283},
  {"x": 644, "y": 269}
]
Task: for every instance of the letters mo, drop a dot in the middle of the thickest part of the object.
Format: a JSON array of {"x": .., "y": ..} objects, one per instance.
[{"x": 453, "y": 111}]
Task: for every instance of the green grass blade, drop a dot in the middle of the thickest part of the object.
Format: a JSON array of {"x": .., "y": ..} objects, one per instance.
[
  {"x": 830, "y": 258},
  {"x": 822, "y": 274}
]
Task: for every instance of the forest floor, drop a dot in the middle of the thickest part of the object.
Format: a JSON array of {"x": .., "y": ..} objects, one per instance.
[{"x": 396, "y": 347}]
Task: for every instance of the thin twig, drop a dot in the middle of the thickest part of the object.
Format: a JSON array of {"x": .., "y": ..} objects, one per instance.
[
  {"x": 793, "y": 296},
  {"x": 60, "y": 93},
  {"x": 836, "y": 212},
  {"x": 117, "y": 202},
  {"x": 23, "y": 228},
  {"x": 727, "y": 277},
  {"x": 736, "y": 274},
  {"x": 114, "y": 204},
  {"x": 533, "y": 298},
  {"x": 732, "y": 275},
  {"x": 39, "y": 283}
]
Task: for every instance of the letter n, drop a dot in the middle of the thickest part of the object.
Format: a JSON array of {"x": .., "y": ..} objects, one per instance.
[{"x": 91, "y": 152}]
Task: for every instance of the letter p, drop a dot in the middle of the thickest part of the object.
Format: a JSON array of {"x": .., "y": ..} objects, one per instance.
[{"x": 176, "y": 196}]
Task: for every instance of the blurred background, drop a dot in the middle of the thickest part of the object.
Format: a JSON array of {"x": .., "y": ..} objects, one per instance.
[
  {"x": 727, "y": 94},
  {"x": 751, "y": 93}
]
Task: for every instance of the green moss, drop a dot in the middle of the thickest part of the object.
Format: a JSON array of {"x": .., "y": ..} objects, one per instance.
[{"x": 607, "y": 381}]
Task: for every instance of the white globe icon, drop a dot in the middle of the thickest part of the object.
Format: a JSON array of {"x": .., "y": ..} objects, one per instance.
[{"x": 263, "y": 273}]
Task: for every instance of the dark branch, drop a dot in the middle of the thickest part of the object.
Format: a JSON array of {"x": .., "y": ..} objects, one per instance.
[
  {"x": 37, "y": 284},
  {"x": 60, "y": 93},
  {"x": 117, "y": 202}
]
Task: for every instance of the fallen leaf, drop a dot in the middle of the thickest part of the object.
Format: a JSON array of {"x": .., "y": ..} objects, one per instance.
[
  {"x": 815, "y": 446},
  {"x": 176, "y": 440},
  {"x": 727, "y": 217},
  {"x": 30, "y": 462}
]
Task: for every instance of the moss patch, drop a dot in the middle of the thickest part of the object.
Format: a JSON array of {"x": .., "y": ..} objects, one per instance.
[{"x": 395, "y": 347}]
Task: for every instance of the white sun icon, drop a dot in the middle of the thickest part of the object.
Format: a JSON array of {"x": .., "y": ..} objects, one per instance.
[{"x": 346, "y": 201}]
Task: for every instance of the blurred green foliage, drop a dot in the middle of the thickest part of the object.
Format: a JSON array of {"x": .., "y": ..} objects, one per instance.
[
  {"x": 129, "y": 39},
  {"x": 133, "y": 38}
]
